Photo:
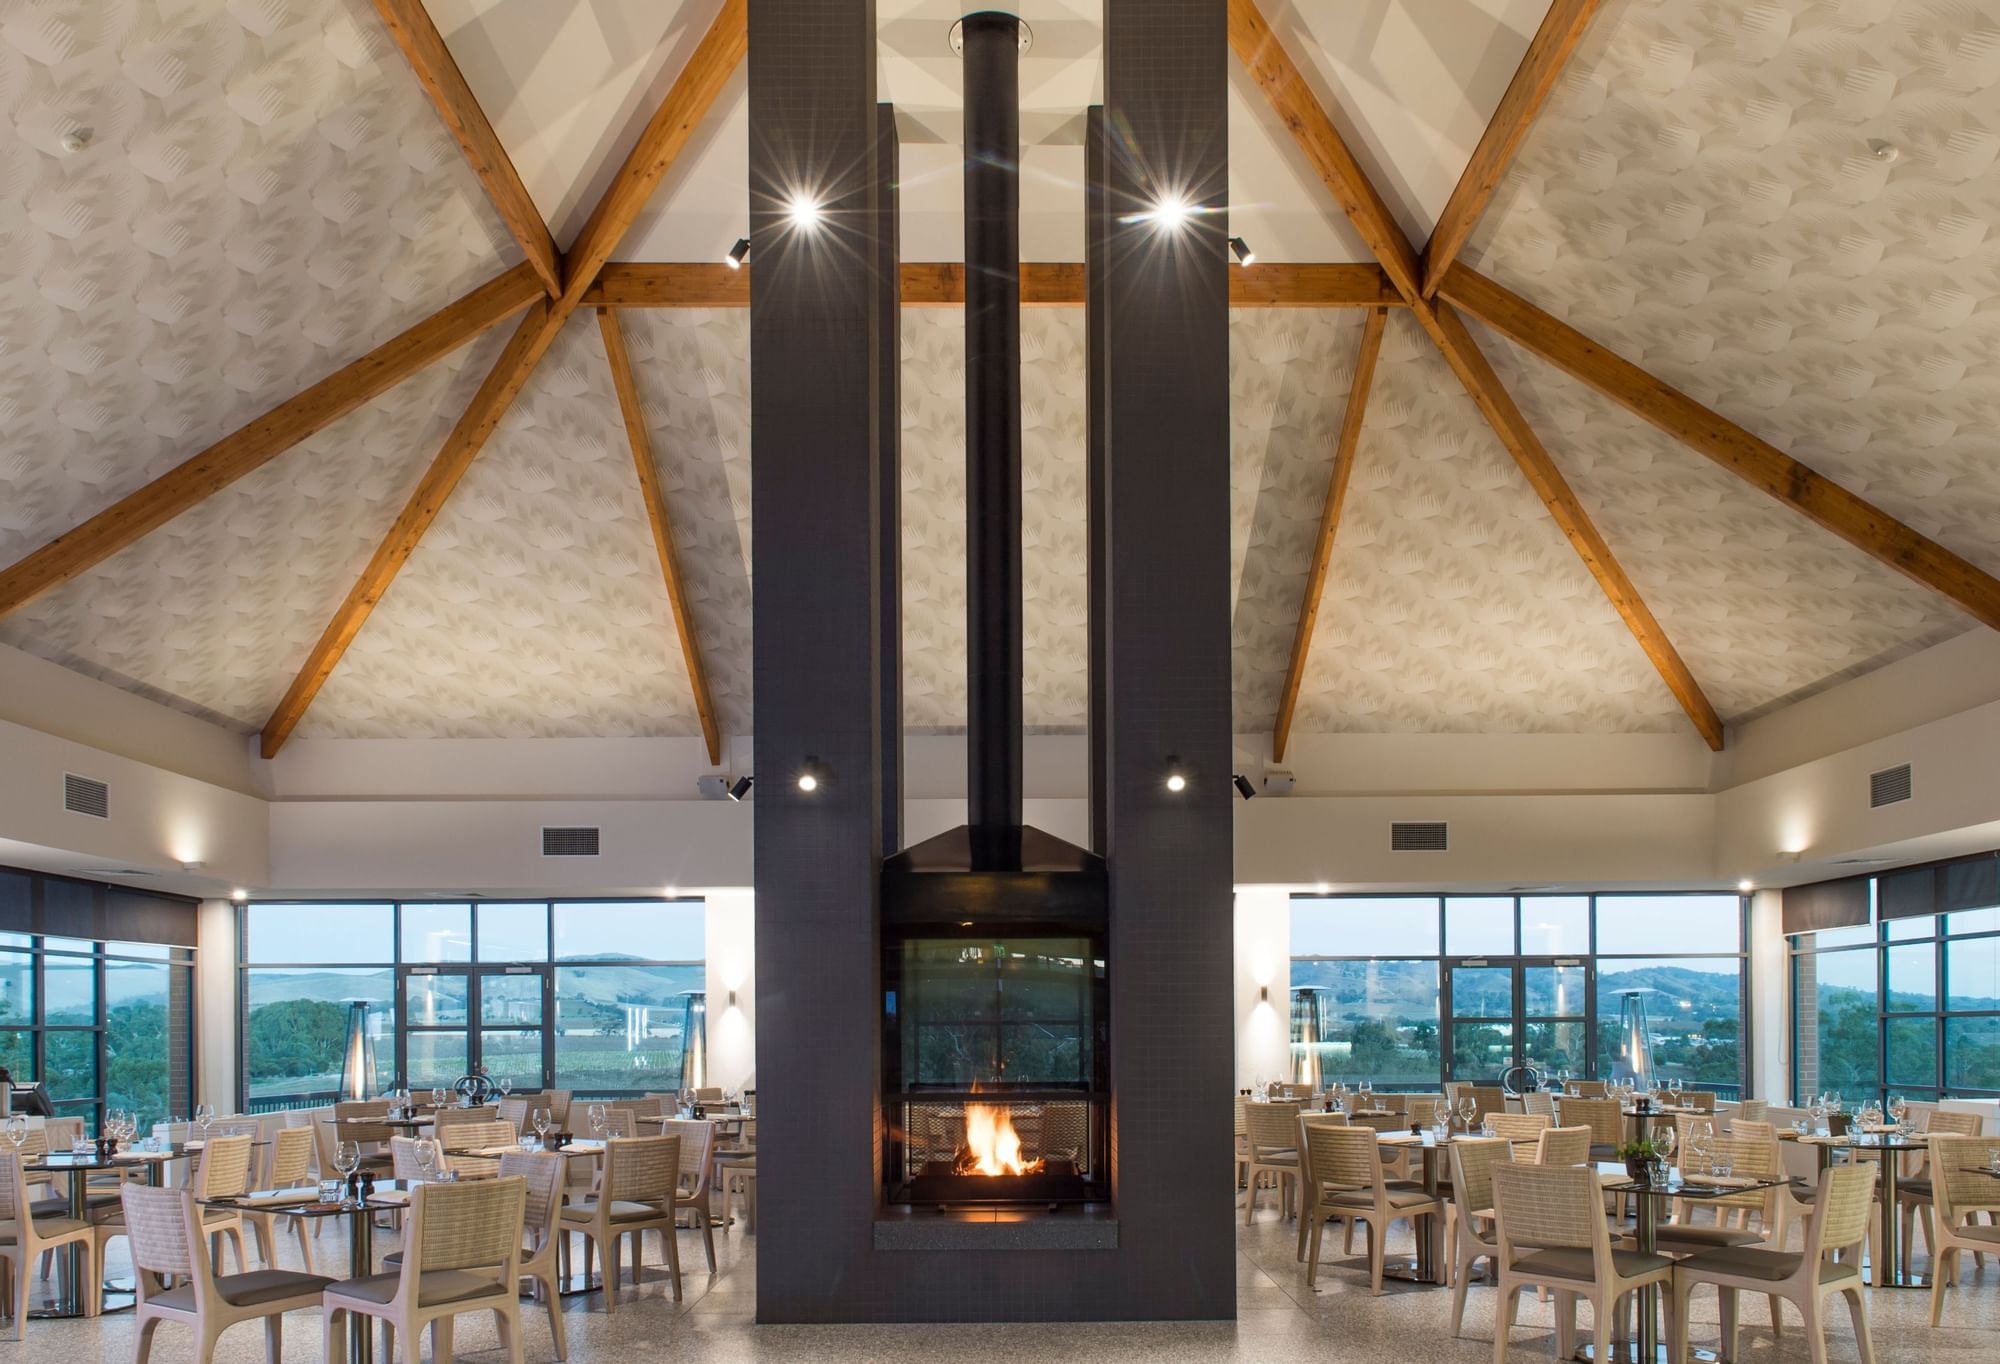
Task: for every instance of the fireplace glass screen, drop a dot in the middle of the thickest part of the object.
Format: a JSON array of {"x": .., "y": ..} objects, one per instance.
[{"x": 975, "y": 1012}]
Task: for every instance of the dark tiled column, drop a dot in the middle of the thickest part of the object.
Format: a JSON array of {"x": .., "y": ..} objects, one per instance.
[
  {"x": 815, "y": 408},
  {"x": 889, "y": 466},
  {"x": 1166, "y": 351}
]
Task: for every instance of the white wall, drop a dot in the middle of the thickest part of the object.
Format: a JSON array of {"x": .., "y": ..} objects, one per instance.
[
  {"x": 215, "y": 1005},
  {"x": 1770, "y": 1001},
  {"x": 732, "y": 968},
  {"x": 1263, "y": 985}
]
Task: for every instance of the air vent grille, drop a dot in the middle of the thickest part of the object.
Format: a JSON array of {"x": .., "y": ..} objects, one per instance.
[
  {"x": 576, "y": 841},
  {"x": 1417, "y": 836},
  {"x": 86, "y": 796},
  {"x": 1888, "y": 786}
]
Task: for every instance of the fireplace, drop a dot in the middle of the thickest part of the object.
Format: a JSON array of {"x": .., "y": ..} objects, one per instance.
[{"x": 995, "y": 1068}]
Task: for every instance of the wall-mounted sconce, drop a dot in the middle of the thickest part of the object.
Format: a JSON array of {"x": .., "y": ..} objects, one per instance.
[
  {"x": 1263, "y": 994},
  {"x": 1244, "y": 786}
]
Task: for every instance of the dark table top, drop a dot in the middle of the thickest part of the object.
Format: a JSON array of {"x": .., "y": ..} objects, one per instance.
[
  {"x": 1696, "y": 1190},
  {"x": 314, "y": 1208}
]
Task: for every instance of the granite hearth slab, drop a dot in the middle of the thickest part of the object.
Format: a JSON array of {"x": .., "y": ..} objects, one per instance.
[{"x": 1084, "y": 1228}]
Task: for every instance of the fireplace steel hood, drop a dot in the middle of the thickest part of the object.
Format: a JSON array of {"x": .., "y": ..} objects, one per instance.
[{"x": 993, "y": 870}]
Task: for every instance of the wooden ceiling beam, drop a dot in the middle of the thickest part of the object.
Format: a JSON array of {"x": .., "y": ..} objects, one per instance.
[
  {"x": 250, "y": 447},
  {"x": 655, "y": 498},
  {"x": 410, "y": 24},
  {"x": 709, "y": 67},
  {"x": 1758, "y": 462},
  {"x": 942, "y": 284},
  {"x": 682, "y": 108},
  {"x": 1534, "y": 80},
  {"x": 1329, "y": 522},
  {"x": 1293, "y": 100}
]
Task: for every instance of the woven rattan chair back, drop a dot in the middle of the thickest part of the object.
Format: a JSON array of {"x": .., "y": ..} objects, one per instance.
[
  {"x": 650, "y": 1107},
  {"x": 291, "y": 1157},
  {"x": 1746, "y": 1129},
  {"x": 1556, "y": 1207},
  {"x": 1273, "y": 1127},
  {"x": 1845, "y": 1204},
  {"x": 541, "y": 1175},
  {"x": 403, "y": 1159},
  {"x": 225, "y": 1167},
  {"x": 361, "y": 1132},
  {"x": 13, "y": 1184},
  {"x": 641, "y": 1169},
  {"x": 1518, "y": 1126},
  {"x": 1563, "y": 1146},
  {"x": 1343, "y": 1157},
  {"x": 1600, "y": 1115},
  {"x": 1957, "y": 1183},
  {"x": 1472, "y": 1162},
  {"x": 477, "y": 1136},
  {"x": 1539, "y": 1101},
  {"x": 156, "y": 1223},
  {"x": 63, "y": 1133},
  {"x": 514, "y": 1112},
  {"x": 697, "y": 1149},
  {"x": 468, "y": 1226},
  {"x": 449, "y": 1118},
  {"x": 1751, "y": 1110},
  {"x": 1954, "y": 1123}
]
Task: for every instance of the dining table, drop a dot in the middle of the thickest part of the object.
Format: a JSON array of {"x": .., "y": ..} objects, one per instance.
[
  {"x": 1432, "y": 1152},
  {"x": 1651, "y": 1196},
  {"x": 385, "y": 1195},
  {"x": 1889, "y": 1265}
]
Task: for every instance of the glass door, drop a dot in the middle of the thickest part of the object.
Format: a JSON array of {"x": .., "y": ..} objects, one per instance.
[
  {"x": 456, "y": 1017},
  {"x": 1510, "y": 1012}
]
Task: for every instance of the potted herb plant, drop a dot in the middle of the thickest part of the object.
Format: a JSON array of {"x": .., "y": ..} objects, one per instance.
[{"x": 1641, "y": 1159}]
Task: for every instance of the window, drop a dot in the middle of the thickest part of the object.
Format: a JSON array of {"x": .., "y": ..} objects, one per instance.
[
  {"x": 1524, "y": 985},
  {"x": 1908, "y": 1005},
  {"x": 454, "y": 984}
]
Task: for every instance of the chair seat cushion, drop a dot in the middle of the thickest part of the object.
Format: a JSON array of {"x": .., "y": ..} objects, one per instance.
[
  {"x": 1285, "y": 1156},
  {"x": 1752, "y": 1262},
  {"x": 436, "y": 1288},
  {"x": 1400, "y": 1194},
  {"x": 621, "y": 1211},
  {"x": 1914, "y": 1191},
  {"x": 1708, "y": 1238},
  {"x": 1577, "y": 1263},
  {"x": 46, "y": 1228},
  {"x": 254, "y": 1289}
]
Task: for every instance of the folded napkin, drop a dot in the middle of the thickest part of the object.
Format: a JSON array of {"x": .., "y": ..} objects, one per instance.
[
  {"x": 272, "y": 1198},
  {"x": 1879, "y": 1128},
  {"x": 193, "y": 1145},
  {"x": 1399, "y": 1138},
  {"x": 395, "y": 1197},
  {"x": 143, "y": 1155},
  {"x": 1819, "y": 1139},
  {"x": 494, "y": 1151}
]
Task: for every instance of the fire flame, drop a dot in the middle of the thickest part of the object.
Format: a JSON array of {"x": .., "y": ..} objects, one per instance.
[{"x": 992, "y": 1147}]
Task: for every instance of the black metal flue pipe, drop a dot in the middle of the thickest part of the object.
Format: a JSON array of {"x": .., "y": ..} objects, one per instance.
[{"x": 991, "y": 44}]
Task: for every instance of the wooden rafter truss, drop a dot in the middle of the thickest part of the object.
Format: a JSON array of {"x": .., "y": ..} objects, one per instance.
[
  {"x": 1434, "y": 284},
  {"x": 550, "y": 285}
]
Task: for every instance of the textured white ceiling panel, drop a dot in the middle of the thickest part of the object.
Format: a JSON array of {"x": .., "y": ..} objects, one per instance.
[
  {"x": 535, "y": 606},
  {"x": 1452, "y": 602},
  {"x": 215, "y": 612},
  {"x": 266, "y": 195},
  {"x": 1702, "y": 195},
  {"x": 1763, "y": 605}
]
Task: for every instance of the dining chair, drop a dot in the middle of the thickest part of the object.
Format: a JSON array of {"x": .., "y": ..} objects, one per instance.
[
  {"x": 1563, "y": 1146},
  {"x": 1272, "y": 1130},
  {"x": 1704, "y": 1099},
  {"x": 1959, "y": 1193},
  {"x": 1914, "y": 1189},
  {"x": 708, "y": 1094},
  {"x": 444, "y": 1119},
  {"x": 1750, "y": 1110},
  {"x": 648, "y": 1107},
  {"x": 1470, "y": 1213},
  {"x": 176, "y": 1281},
  {"x": 634, "y": 1195},
  {"x": 1539, "y": 1101},
  {"x": 1346, "y": 1165},
  {"x": 541, "y": 1172},
  {"x": 1844, "y": 1208},
  {"x": 290, "y": 1168},
  {"x": 556, "y": 1101},
  {"x": 459, "y": 1141},
  {"x": 1520, "y": 1127},
  {"x": 461, "y": 1253},
  {"x": 1591, "y": 1089},
  {"x": 1488, "y": 1101},
  {"x": 1552, "y": 1233},
  {"x": 691, "y": 1195},
  {"x": 514, "y": 1111},
  {"x": 1309, "y": 1192},
  {"x": 224, "y": 1173},
  {"x": 25, "y": 1237},
  {"x": 1600, "y": 1115}
]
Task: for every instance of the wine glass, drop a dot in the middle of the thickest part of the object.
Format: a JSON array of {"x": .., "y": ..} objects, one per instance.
[
  {"x": 437, "y": 1096},
  {"x": 204, "y": 1114},
  {"x": 1899, "y": 1109},
  {"x": 1468, "y": 1109},
  {"x": 347, "y": 1159},
  {"x": 426, "y": 1152},
  {"x": 1664, "y": 1142},
  {"x": 17, "y": 1131},
  {"x": 1700, "y": 1141},
  {"x": 506, "y": 1086},
  {"x": 542, "y": 1120},
  {"x": 596, "y": 1113}
]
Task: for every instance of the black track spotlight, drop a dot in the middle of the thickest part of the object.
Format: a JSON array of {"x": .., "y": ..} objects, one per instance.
[
  {"x": 1244, "y": 786},
  {"x": 741, "y": 787},
  {"x": 1244, "y": 256},
  {"x": 738, "y": 254}
]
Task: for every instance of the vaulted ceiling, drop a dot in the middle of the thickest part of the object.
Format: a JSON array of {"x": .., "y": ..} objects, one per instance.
[{"x": 1783, "y": 210}]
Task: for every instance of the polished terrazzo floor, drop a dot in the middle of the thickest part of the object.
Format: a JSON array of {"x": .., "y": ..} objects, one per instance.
[{"x": 1278, "y": 1319}]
